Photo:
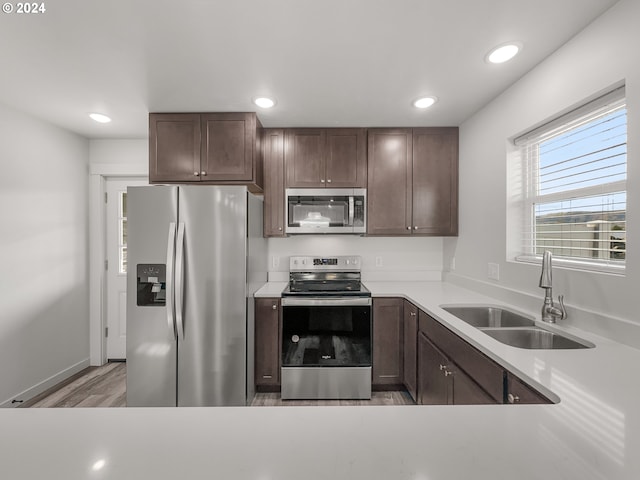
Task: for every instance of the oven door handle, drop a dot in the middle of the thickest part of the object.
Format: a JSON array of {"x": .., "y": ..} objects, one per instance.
[{"x": 325, "y": 302}]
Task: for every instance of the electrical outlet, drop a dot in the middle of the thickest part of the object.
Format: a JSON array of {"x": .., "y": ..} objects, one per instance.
[
  {"x": 275, "y": 261},
  {"x": 493, "y": 271},
  {"x": 378, "y": 261}
]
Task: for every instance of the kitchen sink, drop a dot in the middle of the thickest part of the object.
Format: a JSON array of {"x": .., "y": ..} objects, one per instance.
[
  {"x": 534, "y": 338},
  {"x": 484, "y": 316}
]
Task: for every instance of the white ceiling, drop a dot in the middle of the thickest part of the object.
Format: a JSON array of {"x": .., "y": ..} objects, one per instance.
[{"x": 326, "y": 62}]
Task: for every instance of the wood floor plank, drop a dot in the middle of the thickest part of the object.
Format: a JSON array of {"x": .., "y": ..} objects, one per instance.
[{"x": 105, "y": 386}]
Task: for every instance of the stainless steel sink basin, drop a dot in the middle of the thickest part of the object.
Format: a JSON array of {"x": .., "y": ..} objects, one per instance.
[
  {"x": 534, "y": 338},
  {"x": 483, "y": 316}
]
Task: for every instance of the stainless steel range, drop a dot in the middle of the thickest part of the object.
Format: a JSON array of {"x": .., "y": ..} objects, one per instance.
[{"x": 326, "y": 330}]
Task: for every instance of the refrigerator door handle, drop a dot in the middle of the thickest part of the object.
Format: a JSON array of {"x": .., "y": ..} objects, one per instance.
[
  {"x": 171, "y": 256},
  {"x": 180, "y": 280}
]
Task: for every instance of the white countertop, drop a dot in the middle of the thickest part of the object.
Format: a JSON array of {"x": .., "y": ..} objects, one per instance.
[{"x": 593, "y": 433}]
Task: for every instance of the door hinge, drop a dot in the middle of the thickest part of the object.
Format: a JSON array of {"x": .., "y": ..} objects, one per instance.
[
  {"x": 105, "y": 197},
  {"x": 106, "y": 264},
  {"x": 106, "y": 332}
]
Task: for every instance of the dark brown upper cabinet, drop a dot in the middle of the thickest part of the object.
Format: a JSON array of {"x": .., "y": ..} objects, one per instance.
[
  {"x": 435, "y": 181},
  {"x": 325, "y": 157},
  {"x": 412, "y": 181},
  {"x": 273, "y": 144},
  {"x": 389, "y": 181},
  {"x": 213, "y": 148}
]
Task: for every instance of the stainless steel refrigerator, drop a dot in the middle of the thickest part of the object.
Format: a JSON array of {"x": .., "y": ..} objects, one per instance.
[{"x": 196, "y": 255}]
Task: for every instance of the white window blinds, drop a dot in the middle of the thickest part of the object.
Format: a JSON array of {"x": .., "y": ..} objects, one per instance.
[{"x": 574, "y": 198}]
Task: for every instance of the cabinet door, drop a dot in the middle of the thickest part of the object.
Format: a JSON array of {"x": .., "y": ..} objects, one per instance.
[
  {"x": 387, "y": 341},
  {"x": 274, "y": 183},
  {"x": 435, "y": 181},
  {"x": 389, "y": 181},
  {"x": 174, "y": 147},
  {"x": 228, "y": 145},
  {"x": 267, "y": 343},
  {"x": 346, "y": 158},
  {"x": 465, "y": 390},
  {"x": 434, "y": 387},
  {"x": 410, "y": 348},
  {"x": 305, "y": 158}
]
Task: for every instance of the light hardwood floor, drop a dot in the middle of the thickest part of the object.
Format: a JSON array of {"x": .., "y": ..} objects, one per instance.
[
  {"x": 377, "y": 398},
  {"x": 105, "y": 386}
]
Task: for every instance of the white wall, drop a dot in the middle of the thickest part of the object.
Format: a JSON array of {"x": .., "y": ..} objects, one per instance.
[
  {"x": 416, "y": 258},
  {"x": 44, "y": 328},
  {"x": 603, "y": 54},
  {"x": 134, "y": 152}
]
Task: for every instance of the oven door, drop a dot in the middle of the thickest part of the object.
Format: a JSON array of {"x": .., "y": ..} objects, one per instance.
[
  {"x": 326, "y": 332},
  {"x": 326, "y": 348}
]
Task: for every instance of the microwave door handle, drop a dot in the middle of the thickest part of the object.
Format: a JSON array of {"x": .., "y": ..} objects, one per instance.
[{"x": 351, "y": 210}]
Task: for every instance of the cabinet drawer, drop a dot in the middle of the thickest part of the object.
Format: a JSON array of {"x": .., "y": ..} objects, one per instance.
[
  {"x": 488, "y": 374},
  {"x": 520, "y": 392}
]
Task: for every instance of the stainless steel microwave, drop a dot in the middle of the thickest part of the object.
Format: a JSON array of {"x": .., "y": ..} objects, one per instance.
[{"x": 326, "y": 210}]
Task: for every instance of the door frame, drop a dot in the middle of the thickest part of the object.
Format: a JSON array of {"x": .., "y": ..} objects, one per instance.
[{"x": 98, "y": 174}]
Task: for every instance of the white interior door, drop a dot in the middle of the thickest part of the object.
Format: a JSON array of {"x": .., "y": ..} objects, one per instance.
[{"x": 116, "y": 241}]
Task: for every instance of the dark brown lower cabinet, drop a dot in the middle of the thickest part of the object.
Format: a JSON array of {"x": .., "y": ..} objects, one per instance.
[
  {"x": 387, "y": 342},
  {"x": 442, "y": 382},
  {"x": 410, "y": 349},
  {"x": 267, "y": 343}
]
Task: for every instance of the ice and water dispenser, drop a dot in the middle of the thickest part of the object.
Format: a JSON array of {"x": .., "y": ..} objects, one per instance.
[{"x": 151, "y": 284}]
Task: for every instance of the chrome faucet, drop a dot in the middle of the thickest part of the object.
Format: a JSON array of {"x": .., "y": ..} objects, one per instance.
[{"x": 550, "y": 313}]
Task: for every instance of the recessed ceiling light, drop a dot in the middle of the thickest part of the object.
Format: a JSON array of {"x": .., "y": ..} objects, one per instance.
[
  {"x": 424, "y": 102},
  {"x": 503, "y": 53},
  {"x": 264, "y": 102},
  {"x": 99, "y": 117}
]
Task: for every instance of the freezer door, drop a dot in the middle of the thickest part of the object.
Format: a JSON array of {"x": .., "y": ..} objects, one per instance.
[
  {"x": 212, "y": 347},
  {"x": 152, "y": 212}
]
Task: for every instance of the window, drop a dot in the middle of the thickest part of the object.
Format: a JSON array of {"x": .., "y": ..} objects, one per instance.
[
  {"x": 573, "y": 180},
  {"x": 122, "y": 232}
]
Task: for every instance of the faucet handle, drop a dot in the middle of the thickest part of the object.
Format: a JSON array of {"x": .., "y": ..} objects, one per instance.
[{"x": 562, "y": 309}]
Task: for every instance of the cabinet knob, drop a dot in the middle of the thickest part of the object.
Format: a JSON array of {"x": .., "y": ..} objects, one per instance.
[
  {"x": 443, "y": 367},
  {"x": 322, "y": 180},
  {"x": 409, "y": 227},
  {"x": 203, "y": 173},
  {"x": 280, "y": 228},
  {"x": 413, "y": 314},
  {"x": 329, "y": 181},
  {"x": 511, "y": 398},
  {"x": 274, "y": 306},
  {"x": 447, "y": 373},
  {"x": 197, "y": 174},
  {"x": 415, "y": 227}
]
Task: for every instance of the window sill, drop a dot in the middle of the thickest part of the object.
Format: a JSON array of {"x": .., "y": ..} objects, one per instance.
[{"x": 571, "y": 264}]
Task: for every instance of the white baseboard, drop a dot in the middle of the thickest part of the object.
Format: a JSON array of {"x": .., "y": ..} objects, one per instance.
[{"x": 37, "y": 389}]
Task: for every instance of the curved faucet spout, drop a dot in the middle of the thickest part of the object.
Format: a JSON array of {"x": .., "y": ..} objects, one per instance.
[
  {"x": 545, "y": 276},
  {"x": 549, "y": 311}
]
